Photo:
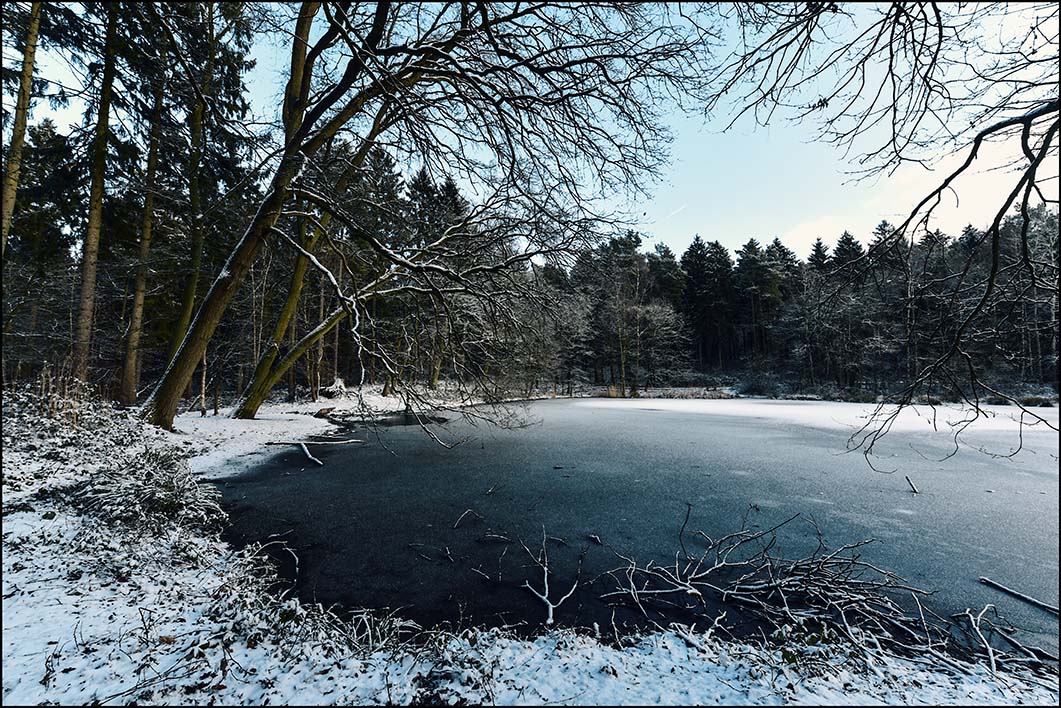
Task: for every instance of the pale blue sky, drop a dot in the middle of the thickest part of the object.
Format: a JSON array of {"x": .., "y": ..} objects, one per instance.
[{"x": 778, "y": 181}]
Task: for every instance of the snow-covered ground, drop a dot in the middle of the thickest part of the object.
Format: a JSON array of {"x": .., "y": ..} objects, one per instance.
[
  {"x": 116, "y": 589},
  {"x": 219, "y": 445}
]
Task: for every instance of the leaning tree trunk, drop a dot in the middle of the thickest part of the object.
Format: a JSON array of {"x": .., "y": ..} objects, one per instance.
[
  {"x": 248, "y": 408},
  {"x": 90, "y": 248},
  {"x": 261, "y": 383},
  {"x": 263, "y": 380},
  {"x": 302, "y": 141},
  {"x": 162, "y": 406},
  {"x": 131, "y": 369},
  {"x": 18, "y": 131}
]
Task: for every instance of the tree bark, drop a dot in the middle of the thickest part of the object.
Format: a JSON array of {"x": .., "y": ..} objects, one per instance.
[
  {"x": 131, "y": 370},
  {"x": 335, "y": 353},
  {"x": 202, "y": 388},
  {"x": 315, "y": 384},
  {"x": 18, "y": 132},
  {"x": 302, "y": 141},
  {"x": 248, "y": 408},
  {"x": 254, "y": 392},
  {"x": 90, "y": 248}
]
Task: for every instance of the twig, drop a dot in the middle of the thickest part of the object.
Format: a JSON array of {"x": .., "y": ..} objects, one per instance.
[
  {"x": 974, "y": 622},
  {"x": 542, "y": 561},
  {"x": 466, "y": 512},
  {"x": 912, "y": 487},
  {"x": 1019, "y": 595},
  {"x": 1034, "y": 652},
  {"x": 681, "y": 532},
  {"x": 311, "y": 457}
]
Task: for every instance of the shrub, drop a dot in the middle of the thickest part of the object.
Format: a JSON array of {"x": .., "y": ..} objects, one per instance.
[{"x": 153, "y": 489}]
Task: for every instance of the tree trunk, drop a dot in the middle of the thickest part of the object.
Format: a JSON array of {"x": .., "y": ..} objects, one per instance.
[
  {"x": 131, "y": 370},
  {"x": 315, "y": 383},
  {"x": 191, "y": 285},
  {"x": 302, "y": 142},
  {"x": 202, "y": 388},
  {"x": 436, "y": 371},
  {"x": 162, "y": 405},
  {"x": 90, "y": 248},
  {"x": 254, "y": 395},
  {"x": 248, "y": 408},
  {"x": 438, "y": 351},
  {"x": 335, "y": 353},
  {"x": 18, "y": 131},
  {"x": 291, "y": 380},
  {"x": 268, "y": 356}
]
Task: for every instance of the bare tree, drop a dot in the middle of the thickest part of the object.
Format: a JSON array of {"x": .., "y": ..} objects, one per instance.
[
  {"x": 544, "y": 104},
  {"x": 914, "y": 83}
]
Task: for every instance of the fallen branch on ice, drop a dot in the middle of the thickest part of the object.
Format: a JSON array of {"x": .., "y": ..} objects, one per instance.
[
  {"x": 315, "y": 442},
  {"x": 311, "y": 457},
  {"x": 824, "y": 594},
  {"x": 1019, "y": 595},
  {"x": 542, "y": 561}
]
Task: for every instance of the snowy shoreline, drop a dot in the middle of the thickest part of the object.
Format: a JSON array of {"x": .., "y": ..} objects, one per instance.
[{"x": 131, "y": 604}]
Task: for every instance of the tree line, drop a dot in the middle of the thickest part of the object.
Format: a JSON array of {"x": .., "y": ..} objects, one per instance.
[{"x": 838, "y": 322}]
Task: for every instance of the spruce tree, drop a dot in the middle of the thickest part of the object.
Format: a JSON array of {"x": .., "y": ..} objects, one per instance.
[
  {"x": 668, "y": 279},
  {"x": 818, "y": 260},
  {"x": 693, "y": 305}
]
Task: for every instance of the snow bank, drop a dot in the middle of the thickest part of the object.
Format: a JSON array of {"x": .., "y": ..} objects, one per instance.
[
  {"x": 150, "y": 607},
  {"x": 840, "y": 416}
]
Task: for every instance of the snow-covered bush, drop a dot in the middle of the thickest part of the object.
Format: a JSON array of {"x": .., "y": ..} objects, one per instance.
[
  {"x": 53, "y": 448},
  {"x": 103, "y": 459},
  {"x": 152, "y": 487},
  {"x": 760, "y": 385},
  {"x": 246, "y": 604}
]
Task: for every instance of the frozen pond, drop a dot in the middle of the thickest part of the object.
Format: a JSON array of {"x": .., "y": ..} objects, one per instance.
[{"x": 377, "y": 525}]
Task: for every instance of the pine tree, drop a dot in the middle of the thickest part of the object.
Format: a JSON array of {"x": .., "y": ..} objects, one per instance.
[
  {"x": 847, "y": 310},
  {"x": 756, "y": 293},
  {"x": 846, "y": 251},
  {"x": 90, "y": 244},
  {"x": 668, "y": 279},
  {"x": 693, "y": 305},
  {"x": 818, "y": 260},
  {"x": 219, "y": 34},
  {"x": 425, "y": 215},
  {"x": 18, "y": 131},
  {"x": 719, "y": 304}
]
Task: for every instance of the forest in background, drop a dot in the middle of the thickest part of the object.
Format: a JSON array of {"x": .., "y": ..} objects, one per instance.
[
  {"x": 832, "y": 323},
  {"x": 377, "y": 267}
]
